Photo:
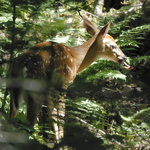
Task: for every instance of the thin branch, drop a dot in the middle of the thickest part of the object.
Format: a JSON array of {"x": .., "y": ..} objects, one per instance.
[{"x": 97, "y": 132}]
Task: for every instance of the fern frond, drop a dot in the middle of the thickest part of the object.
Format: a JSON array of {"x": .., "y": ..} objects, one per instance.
[
  {"x": 107, "y": 74},
  {"x": 131, "y": 36}
]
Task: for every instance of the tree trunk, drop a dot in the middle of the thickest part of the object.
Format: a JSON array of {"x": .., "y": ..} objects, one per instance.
[{"x": 99, "y": 7}]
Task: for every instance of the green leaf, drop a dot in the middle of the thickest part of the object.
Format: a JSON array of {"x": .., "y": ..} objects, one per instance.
[{"x": 107, "y": 74}]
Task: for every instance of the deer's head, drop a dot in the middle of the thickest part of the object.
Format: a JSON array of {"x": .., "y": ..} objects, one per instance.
[{"x": 104, "y": 44}]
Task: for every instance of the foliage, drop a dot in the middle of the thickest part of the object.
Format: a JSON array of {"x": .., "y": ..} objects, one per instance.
[
  {"x": 131, "y": 38},
  {"x": 131, "y": 132},
  {"x": 87, "y": 109},
  {"x": 103, "y": 96},
  {"x": 103, "y": 69},
  {"x": 125, "y": 40}
]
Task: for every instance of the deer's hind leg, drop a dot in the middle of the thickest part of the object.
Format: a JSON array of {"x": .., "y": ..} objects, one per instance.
[
  {"x": 15, "y": 94},
  {"x": 34, "y": 102}
]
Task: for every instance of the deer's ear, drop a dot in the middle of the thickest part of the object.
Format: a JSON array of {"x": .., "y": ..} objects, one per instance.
[
  {"x": 90, "y": 27},
  {"x": 104, "y": 30}
]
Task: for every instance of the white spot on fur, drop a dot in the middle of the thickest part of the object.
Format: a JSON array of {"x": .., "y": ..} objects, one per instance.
[
  {"x": 65, "y": 57},
  {"x": 68, "y": 69},
  {"x": 71, "y": 60}
]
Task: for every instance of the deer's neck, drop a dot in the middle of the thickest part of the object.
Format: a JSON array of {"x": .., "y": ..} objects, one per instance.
[{"x": 82, "y": 54}]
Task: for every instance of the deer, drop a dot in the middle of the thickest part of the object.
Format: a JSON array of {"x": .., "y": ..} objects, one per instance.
[{"x": 55, "y": 66}]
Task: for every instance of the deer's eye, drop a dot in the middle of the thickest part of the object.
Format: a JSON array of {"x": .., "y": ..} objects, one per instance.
[{"x": 113, "y": 47}]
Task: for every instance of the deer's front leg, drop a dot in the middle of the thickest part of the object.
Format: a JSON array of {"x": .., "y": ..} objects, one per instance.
[{"x": 56, "y": 110}]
